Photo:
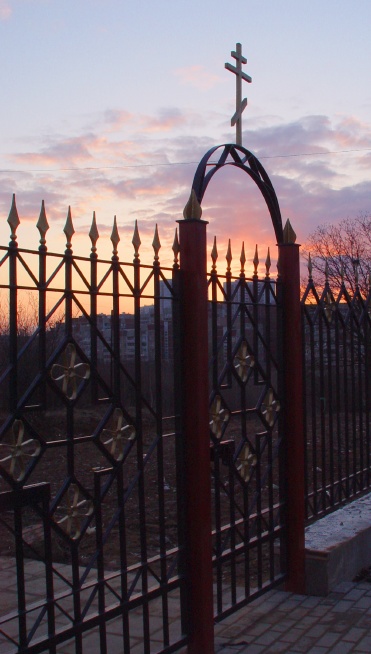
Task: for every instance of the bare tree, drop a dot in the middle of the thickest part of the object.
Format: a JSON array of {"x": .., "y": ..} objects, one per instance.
[{"x": 344, "y": 249}]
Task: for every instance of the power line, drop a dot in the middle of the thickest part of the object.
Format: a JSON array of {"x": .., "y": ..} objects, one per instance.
[{"x": 177, "y": 163}]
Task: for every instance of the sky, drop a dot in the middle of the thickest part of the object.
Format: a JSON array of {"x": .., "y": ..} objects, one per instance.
[{"x": 108, "y": 106}]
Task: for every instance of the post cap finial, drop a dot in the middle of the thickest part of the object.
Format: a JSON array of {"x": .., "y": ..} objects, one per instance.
[
  {"x": 192, "y": 210},
  {"x": 289, "y": 236}
]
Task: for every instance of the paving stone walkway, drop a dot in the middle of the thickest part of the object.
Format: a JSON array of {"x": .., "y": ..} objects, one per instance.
[
  {"x": 277, "y": 622},
  {"x": 295, "y": 624}
]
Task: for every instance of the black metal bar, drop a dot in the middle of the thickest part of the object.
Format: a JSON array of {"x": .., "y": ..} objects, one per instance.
[{"x": 160, "y": 449}]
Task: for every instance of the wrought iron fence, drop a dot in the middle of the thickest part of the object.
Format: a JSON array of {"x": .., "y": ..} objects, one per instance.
[
  {"x": 247, "y": 436},
  {"x": 336, "y": 329},
  {"x": 90, "y": 448}
]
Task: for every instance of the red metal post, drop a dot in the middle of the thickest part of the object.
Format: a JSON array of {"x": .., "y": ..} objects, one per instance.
[
  {"x": 192, "y": 236},
  {"x": 289, "y": 268}
]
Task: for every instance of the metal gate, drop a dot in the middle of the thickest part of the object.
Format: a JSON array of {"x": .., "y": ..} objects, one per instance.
[{"x": 247, "y": 442}]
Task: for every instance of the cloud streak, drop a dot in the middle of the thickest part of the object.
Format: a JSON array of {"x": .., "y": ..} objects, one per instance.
[{"x": 139, "y": 167}]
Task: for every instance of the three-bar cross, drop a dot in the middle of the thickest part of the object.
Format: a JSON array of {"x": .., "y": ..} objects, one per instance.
[{"x": 240, "y": 104}]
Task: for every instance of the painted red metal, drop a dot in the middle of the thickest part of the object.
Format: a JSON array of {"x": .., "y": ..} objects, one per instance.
[
  {"x": 192, "y": 235},
  {"x": 289, "y": 268}
]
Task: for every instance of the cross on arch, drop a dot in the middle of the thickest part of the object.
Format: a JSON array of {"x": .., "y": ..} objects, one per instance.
[{"x": 240, "y": 75}]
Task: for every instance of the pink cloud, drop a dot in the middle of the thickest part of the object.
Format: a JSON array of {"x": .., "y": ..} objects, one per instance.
[
  {"x": 5, "y": 10},
  {"x": 198, "y": 77}
]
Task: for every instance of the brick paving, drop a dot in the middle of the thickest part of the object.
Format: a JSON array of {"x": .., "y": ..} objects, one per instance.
[
  {"x": 281, "y": 622},
  {"x": 277, "y": 622}
]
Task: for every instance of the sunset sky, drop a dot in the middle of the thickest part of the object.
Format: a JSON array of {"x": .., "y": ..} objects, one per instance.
[{"x": 108, "y": 105}]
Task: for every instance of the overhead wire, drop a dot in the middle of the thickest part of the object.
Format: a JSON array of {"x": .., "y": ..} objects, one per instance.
[{"x": 175, "y": 163}]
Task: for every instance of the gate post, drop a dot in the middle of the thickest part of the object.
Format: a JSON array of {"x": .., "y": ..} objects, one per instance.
[
  {"x": 194, "y": 316},
  {"x": 289, "y": 270}
]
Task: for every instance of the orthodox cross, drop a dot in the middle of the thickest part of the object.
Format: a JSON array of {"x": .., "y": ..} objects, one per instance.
[{"x": 240, "y": 104}]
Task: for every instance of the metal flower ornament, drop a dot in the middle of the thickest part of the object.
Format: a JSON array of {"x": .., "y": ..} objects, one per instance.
[
  {"x": 243, "y": 361},
  {"x": 118, "y": 435},
  {"x": 19, "y": 451},
  {"x": 248, "y": 461},
  {"x": 271, "y": 408},
  {"x": 76, "y": 511},
  {"x": 70, "y": 372},
  {"x": 218, "y": 416}
]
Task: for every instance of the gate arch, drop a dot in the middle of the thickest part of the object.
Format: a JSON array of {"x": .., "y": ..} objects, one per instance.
[{"x": 236, "y": 155}]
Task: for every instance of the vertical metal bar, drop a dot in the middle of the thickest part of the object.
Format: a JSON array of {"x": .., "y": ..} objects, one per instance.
[
  {"x": 293, "y": 415},
  {"x": 215, "y": 388},
  {"x": 21, "y": 588},
  {"x": 76, "y": 596},
  {"x": 242, "y": 329},
  {"x": 100, "y": 563},
  {"x": 123, "y": 559},
  {"x": 160, "y": 450},
  {"x": 196, "y": 427},
  {"x": 49, "y": 568},
  {"x": 367, "y": 370},
  {"x": 314, "y": 404},
  {"x": 330, "y": 411},
  {"x": 322, "y": 399},
  {"x": 306, "y": 406},
  {"x": 140, "y": 452},
  {"x": 13, "y": 326},
  {"x": 42, "y": 313},
  {"x": 346, "y": 407},
  {"x": 360, "y": 399},
  {"x": 339, "y": 422},
  {"x": 94, "y": 326},
  {"x": 353, "y": 400}
]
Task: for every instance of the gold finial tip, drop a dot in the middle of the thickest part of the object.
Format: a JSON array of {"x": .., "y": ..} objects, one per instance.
[
  {"x": 289, "y": 236},
  {"x": 192, "y": 210}
]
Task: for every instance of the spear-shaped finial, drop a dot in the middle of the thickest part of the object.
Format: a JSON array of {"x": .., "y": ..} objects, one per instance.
[
  {"x": 69, "y": 229},
  {"x": 42, "y": 224},
  {"x": 228, "y": 256},
  {"x": 13, "y": 220},
  {"x": 136, "y": 240},
  {"x": 243, "y": 258},
  {"x": 256, "y": 261},
  {"x": 214, "y": 254},
  {"x": 115, "y": 238},
  {"x": 176, "y": 247},
  {"x": 156, "y": 243},
  {"x": 94, "y": 234},
  {"x": 267, "y": 264}
]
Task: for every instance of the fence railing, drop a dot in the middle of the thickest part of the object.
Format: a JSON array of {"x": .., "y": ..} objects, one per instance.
[
  {"x": 91, "y": 448},
  {"x": 336, "y": 328}
]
